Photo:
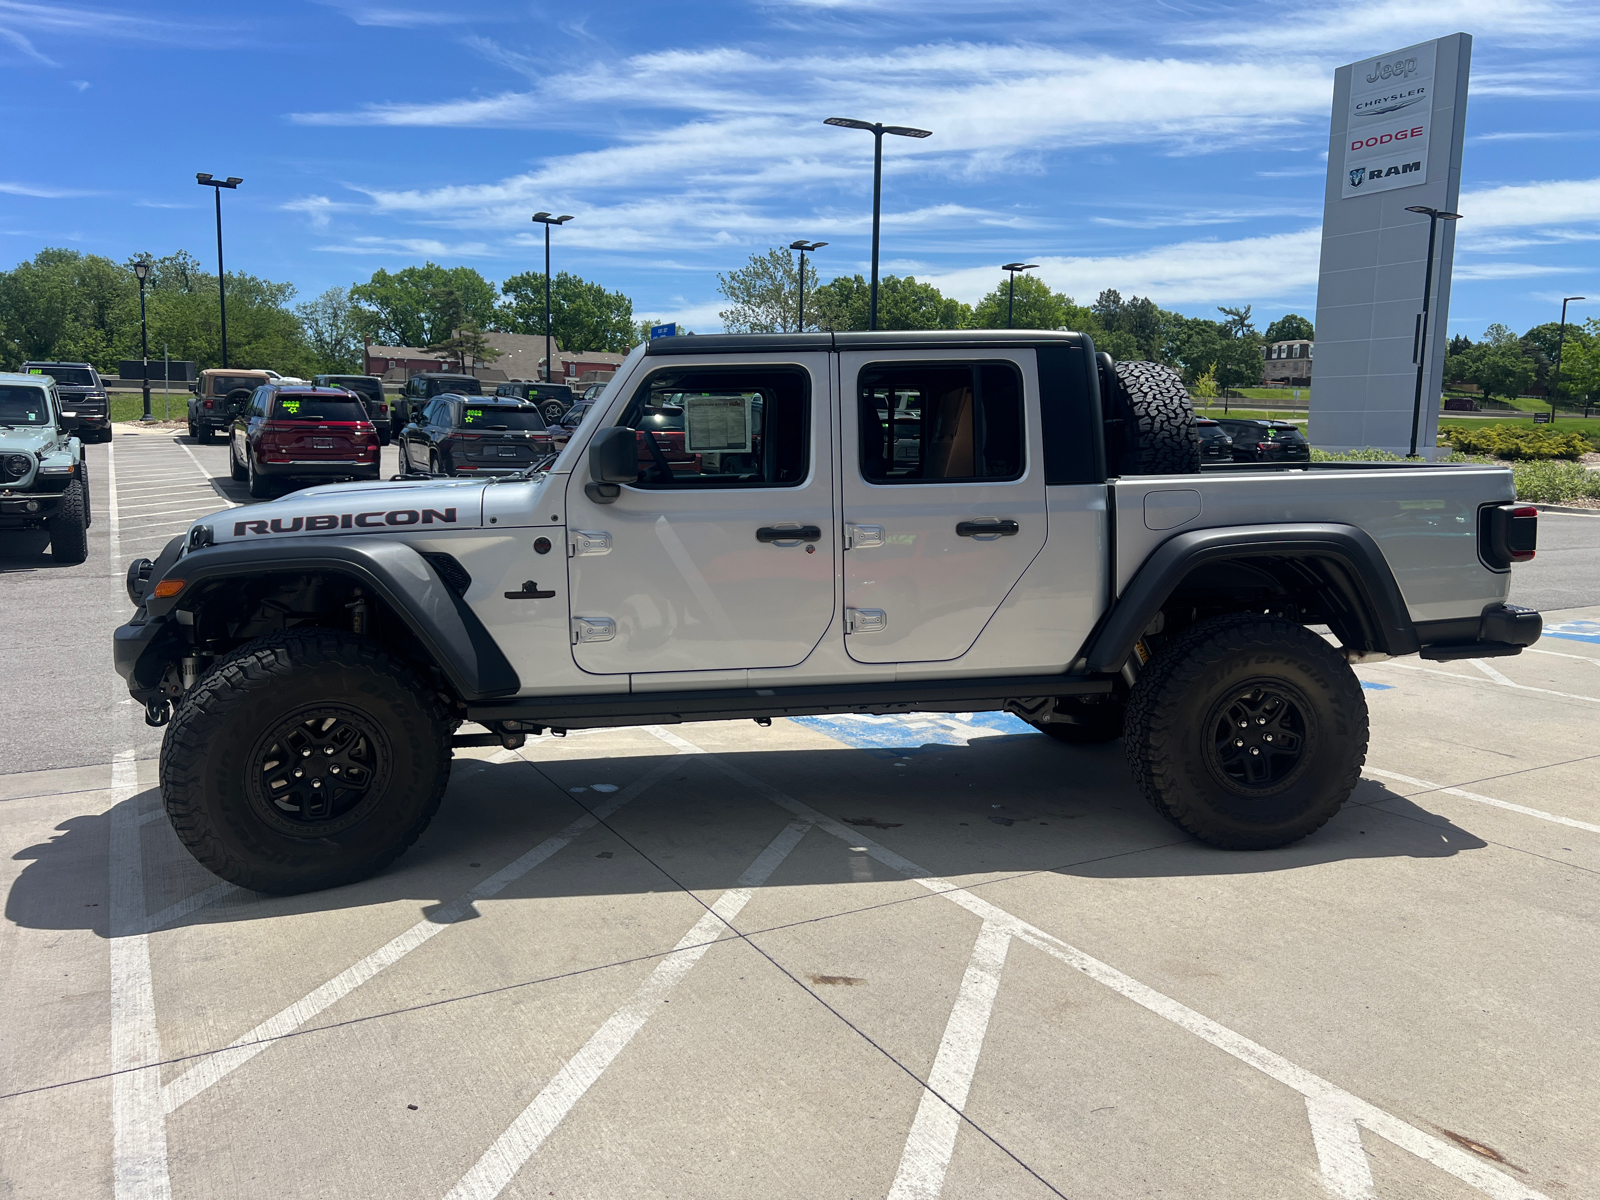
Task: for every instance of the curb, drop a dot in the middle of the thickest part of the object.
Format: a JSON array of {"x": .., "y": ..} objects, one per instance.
[{"x": 1567, "y": 509}]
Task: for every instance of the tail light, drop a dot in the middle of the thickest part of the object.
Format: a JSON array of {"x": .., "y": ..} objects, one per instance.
[
  {"x": 1507, "y": 533},
  {"x": 209, "y": 404}
]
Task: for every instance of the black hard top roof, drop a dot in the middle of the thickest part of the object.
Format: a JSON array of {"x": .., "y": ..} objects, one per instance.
[
  {"x": 888, "y": 339},
  {"x": 45, "y": 362},
  {"x": 444, "y": 375}
]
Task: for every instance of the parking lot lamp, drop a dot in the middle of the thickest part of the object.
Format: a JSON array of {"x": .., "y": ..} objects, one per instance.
[
  {"x": 141, "y": 272},
  {"x": 1434, "y": 216},
  {"x": 231, "y": 183},
  {"x": 1011, "y": 293},
  {"x": 877, "y": 130},
  {"x": 1561, "y": 340},
  {"x": 547, "y": 220},
  {"x": 802, "y": 245}
]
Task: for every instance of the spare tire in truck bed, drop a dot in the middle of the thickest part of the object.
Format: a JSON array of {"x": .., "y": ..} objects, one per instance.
[{"x": 1153, "y": 419}]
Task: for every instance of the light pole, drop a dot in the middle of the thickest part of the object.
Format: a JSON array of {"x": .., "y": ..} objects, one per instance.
[
  {"x": 1434, "y": 216},
  {"x": 547, "y": 220},
  {"x": 141, "y": 272},
  {"x": 802, "y": 245},
  {"x": 231, "y": 182},
  {"x": 1561, "y": 340},
  {"x": 1011, "y": 293},
  {"x": 877, "y": 130}
]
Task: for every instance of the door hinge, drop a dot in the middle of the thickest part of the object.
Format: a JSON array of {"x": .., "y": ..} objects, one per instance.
[
  {"x": 593, "y": 629},
  {"x": 863, "y": 537},
  {"x": 865, "y": 620},
  {"x": 581, "y": 542}
]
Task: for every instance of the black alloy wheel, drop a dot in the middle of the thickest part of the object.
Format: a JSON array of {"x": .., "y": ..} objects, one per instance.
[
  {"x": 1257, "y": 737},
  {"x": 319, "y": 771}
]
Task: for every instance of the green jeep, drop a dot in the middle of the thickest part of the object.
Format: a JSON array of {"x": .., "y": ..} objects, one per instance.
[{"x": 43, "y": 479}]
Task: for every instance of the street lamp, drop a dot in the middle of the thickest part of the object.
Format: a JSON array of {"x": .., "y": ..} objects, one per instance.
[
  {"x": 141, "y": 272},
  {"x": 1011, "y": 294},
  {"x": 547, "y": 220},
  {"x": 231, "y": 182},
  {"x": 1434, "y": 216},
  {"x": 877, "y": 131},
  {"x": 802, "y": 245},
  {"x": 1561, "y": 340}
]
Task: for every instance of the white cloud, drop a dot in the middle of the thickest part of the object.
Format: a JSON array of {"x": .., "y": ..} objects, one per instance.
[
  {"x": 1376, "y": 26},
  {"x": 40, "y": 191},
  {"x": 385, "y": 247},
  {"x": 1529, "y": 205},
  {"x": 1474, "y": 270},
  {"x": 395, "y": 18}
]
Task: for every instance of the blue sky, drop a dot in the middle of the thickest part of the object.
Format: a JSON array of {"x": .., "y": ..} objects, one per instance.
[{"x": 1175, "y": 150}]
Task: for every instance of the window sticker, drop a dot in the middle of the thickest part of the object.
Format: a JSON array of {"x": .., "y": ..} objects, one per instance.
[
  {"x": 473, "y": 414},
  {"x": 716, "y": 423},
  {"x": 292, "y": 407}
]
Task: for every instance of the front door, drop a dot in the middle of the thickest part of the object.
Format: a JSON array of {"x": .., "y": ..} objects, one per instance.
[
  {"x": 721, "y": 555},
  {"x": 944, "y": 496}
]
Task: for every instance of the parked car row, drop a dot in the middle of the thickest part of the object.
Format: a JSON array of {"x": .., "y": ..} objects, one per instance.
[
  {"x": 301, "y": 434},
  {"x": 1239, "y": 439}
]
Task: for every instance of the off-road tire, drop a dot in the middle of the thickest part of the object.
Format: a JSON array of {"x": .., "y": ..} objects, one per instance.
[
  {"x": 69, "y": 528},
  {"x": 553, "y": 412},
  {"x": 1186, "y": 700},
  {"x": 215, "y": 739},
  {"x": 1167, "y": 440},
  {"x": 193, "y": 432},
  {"x": 205, "y": 434},
  {"x": 237, "y": 471},
  {"x": 1101, "y": 723},
  {"x": 260, "y": 485}
]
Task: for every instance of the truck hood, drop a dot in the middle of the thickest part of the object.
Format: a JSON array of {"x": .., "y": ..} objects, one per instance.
[
  {"x": 433, "y": 506},
  {"x": 25, "y": 439}
]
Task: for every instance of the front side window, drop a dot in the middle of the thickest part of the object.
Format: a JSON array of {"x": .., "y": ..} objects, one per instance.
[
  {"x": 940, "y": 422},
  {"x": 707, "y": 427}
]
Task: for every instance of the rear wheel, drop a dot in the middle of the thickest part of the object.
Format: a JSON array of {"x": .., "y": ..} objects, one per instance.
[
  {"x": 304, "y": 760},
  {"x": 69, "y": 528},
  {"x": 1247, "y": 731},
  {"x": 193, "y": 432},
  {"x": 205, "y": 435}
]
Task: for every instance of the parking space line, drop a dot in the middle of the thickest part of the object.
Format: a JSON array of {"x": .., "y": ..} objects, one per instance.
[
  {"x": 115, "y": 517},
  {"x": 1468, "y": 1168},
  {"x": 199, "y": 466},
  {"x": 522, "y": 1139},
  {"x": 1336, "y": 1134},
  {"x": 215, "y": 1067},
  {"x": 138, "y": 1124},
  {"x": 1491, "y": 678},
  {"x": 1559, "y": 654},
  {"x": 932, "y": 1139},
  {"x": 189, "y": 904},
  {"x": 1466, "y": 795}
]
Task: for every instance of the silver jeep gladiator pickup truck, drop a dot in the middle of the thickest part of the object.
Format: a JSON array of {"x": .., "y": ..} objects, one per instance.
[{"x": 753, "y": 526}]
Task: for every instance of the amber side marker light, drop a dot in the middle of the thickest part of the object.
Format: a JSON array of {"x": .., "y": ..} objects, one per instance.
[{"x": 168, "y": 587}]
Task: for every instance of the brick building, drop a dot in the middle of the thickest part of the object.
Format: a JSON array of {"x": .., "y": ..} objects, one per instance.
[
  {"x": 521, "y": 357},
  {"x": 1287, "y": 364}
]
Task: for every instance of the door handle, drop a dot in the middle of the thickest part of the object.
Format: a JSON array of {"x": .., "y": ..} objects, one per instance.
[
  {"x": 987, "y": 529},
  {"x": 792, "y": 533}
]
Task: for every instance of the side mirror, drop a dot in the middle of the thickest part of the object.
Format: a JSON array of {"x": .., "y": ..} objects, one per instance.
[{"x": 613, "y": 460}]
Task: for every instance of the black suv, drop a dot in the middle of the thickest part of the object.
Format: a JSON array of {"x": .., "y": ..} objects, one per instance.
[
  {"x": 1266, "y": 441},
  {"x": 421, "y": 388},
  {"x": 463, "y": 435},
  {"x": 1215, "y": 444},
  {"x": 370, "y": 389},
  {"x": 84, "y": 408},
  {"x": 553, "y": 399}
]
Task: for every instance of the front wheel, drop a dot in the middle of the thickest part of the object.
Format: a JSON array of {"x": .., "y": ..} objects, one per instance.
[
  {"x": 1247, "y": 731},
  {"x": 260, "y": 485},
  {"x": 237, "y": 471},
  {"x": 69, "y": 528},
  {"x": 304, "y": 760}
]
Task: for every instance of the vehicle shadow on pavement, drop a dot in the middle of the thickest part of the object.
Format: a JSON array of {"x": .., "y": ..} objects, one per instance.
[
  {"x": 1002, "y": 805},
  {"x": 25, "y": 550}
]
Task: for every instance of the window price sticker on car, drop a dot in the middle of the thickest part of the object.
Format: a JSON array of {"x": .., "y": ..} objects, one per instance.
[{"x": 716, "y": 423}]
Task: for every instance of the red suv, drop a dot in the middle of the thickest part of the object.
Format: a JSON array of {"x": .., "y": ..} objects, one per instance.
[{"x": 305, "y": 434}]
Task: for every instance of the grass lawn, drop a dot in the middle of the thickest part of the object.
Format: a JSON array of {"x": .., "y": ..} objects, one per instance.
[{"x": 126, "y": 407}]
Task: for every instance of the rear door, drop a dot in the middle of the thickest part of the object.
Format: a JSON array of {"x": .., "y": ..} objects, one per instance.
[
  {"x": 943, "y": 496},
  {"x": 721, "y": 555}
]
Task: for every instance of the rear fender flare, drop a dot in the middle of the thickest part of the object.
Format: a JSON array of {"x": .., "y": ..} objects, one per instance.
[
  {"x": 442, "y": 621},
  {"x": 1353, "y": 565}
]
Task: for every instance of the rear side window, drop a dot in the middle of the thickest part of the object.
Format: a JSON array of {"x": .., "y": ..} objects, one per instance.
[
  {"x": 706, "y": 427},
  {"x": 317, "y": 408},
  {"x": 496, "y": 418},
  {"x": 1291, "y": 436},
  {"x": 940, "y": 422}
]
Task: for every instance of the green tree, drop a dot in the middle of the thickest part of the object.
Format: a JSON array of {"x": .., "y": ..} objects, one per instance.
[
  {"x": 1135, "y": 329},
  {"x": 763, "y": 295},
  {"x": 414, "y": 305},
  {"x": 1194, "y": 345},
  {"x": 843, "y": 303},
  {"x": 1291, "y": 327},
  {"x": 583, "y": 315},
  {"x": 1037, "y": 307},
  {"x": 1500, "y": 368},
  {"x": 63, "y": 304},
  {"x": 332, "y": 336}
]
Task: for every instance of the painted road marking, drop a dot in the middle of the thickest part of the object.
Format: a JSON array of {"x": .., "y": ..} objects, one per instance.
[
  {"x": 138, "y": 1125},
  {"x": 216, "y": 1066},
  {"x": 1491, "y": 676},
  {"x": 521, "y": 1141},
  {"x": 1451, "y": 1159},
  {"x": 899, "y": 730},
  {"x": 1465, "y": 795}
]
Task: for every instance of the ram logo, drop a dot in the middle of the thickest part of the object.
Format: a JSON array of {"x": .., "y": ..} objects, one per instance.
[{"x": 1357, "y": 176}]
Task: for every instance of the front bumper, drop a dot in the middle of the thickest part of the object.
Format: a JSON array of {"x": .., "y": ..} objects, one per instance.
[{"x": 28, "y": 510}]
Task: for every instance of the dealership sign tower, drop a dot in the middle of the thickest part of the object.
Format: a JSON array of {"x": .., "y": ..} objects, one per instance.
[{"x": 1396, "y": 140}]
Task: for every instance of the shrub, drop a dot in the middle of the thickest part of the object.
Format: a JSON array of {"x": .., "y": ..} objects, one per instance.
[
  {"x": 1515, "y": 442},
  {"x": 1366, "y": 454},
  {"x": 1553, "y": 482}
]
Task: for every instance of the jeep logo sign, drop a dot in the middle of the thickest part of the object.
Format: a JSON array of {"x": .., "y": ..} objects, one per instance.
[{"x": 1390, "y": 110}]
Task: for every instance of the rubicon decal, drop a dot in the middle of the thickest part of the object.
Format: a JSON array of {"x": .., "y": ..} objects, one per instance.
[{"x": 366, "y": 520}]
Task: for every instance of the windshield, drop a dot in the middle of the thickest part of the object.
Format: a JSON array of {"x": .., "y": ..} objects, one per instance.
[
  {"x": 71, "y": 376},
  {"x": 1285, "y": 435},
  {"x": 317, "y": 408},
  {"x": 23, "y": 406},
  {"x": 461, "y": 387},
  {"x": 355, "y": 383},
  {"x": 485, "y": 417},
  {"x": 546, "y": 391},
  {"x": 221, "y": 385}
]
